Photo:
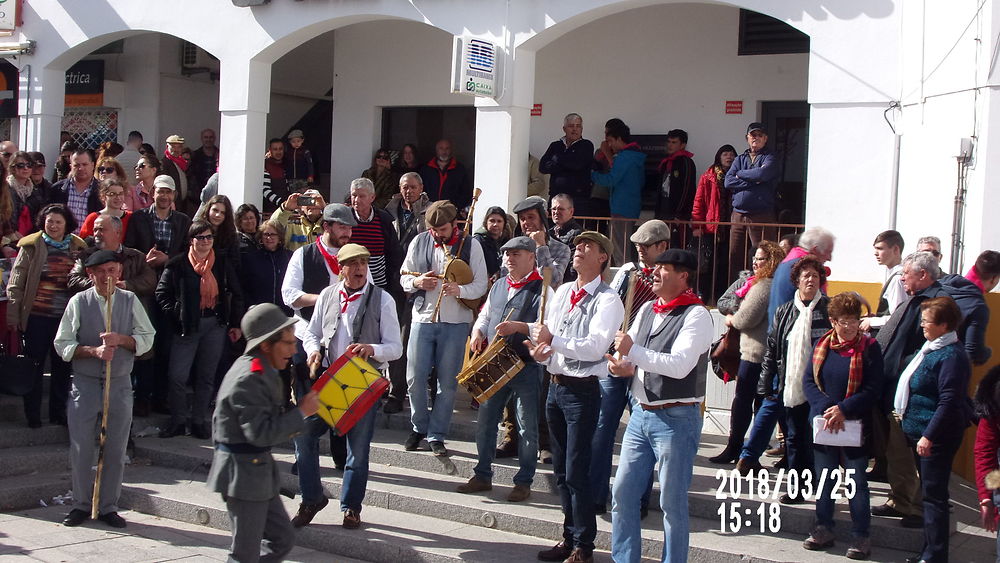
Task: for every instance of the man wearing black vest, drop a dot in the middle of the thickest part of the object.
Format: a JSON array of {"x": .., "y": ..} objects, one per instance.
[
  {"x": 666, "y": 354},
  {"x": 311, "y": 269},
  {"x": 441, "y": 322},
  {"x": 358, "y": 317},
  {"x": 580, "y": 324},
  {"x": 519, "y": 293}
]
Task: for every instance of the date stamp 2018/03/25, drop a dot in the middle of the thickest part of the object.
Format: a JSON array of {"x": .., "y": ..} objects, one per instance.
[{"x": 740, "y": 493}]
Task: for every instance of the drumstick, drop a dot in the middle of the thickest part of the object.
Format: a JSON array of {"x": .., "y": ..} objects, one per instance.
[
  {"x": 505, "y": 319},
  {"x": 629, "y": 301},
  {"x": 95, "y": 500}
]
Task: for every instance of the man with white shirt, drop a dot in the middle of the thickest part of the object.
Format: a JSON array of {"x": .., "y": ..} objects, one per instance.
[
  {"x": 354, "y": 316},
  {"x": 666, "y": 354},
  {"x": 889, "y": 253},
  {"x": 580, "y": 325},
  {"x": 438, "y": 334},
  {"x": 511, "y": 304},
  {"x": 312, "y": 269}
]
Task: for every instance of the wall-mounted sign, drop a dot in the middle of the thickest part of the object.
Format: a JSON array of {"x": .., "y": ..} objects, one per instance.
[
  {"x": 9, "y": 15},
  {"x": 475, "y": 67},
  {"x": 85, "y": 84},
  {"x": 536, "y": 110},
  {"x": 8, "y": 90},
  {"x": 734, "y": 107}
]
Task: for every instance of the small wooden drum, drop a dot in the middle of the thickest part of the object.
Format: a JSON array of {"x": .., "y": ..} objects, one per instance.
[
  {"x": 488, "y": 372},
  {"x": 347, "y": 390}
]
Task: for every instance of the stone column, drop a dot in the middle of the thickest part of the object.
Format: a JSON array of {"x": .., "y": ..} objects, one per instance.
[
  {"x": 244, "y": 100},
  {"x": 41, "y": 101}
]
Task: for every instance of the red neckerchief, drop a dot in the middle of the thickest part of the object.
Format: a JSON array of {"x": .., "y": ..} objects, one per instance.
[
  {"x": 686, "y": 298},
  {"x": 973, "y": 276},
  {"x": 178, "y": 160},
  {"x": 667, "y": 164},
  {"x": 345, "y": 300},
  {"x": 256, "y": 365},
  {"x": 511, "y": 284},
  {"x": 647, "y": 272},
  {"x": 442, "y": 172},
  {"x": 451, "y": 242},
  {"x": 575, "y": 296},
  {"x": 331, "y": 260}
]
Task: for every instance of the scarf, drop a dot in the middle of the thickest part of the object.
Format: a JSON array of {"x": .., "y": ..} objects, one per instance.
[
  {"x": 58, "y": 245},
  {"x": 511, "y": 284},
  {"x": 346, "y": 299},
  {"x": 451, "y": 242},
  {"x": 854, "y": 348},
  {"x": 797, "y": 252},
  {"x": 575, "y": 296},
  {"x": 178, "y": 160},
  {"x": 973, "y": 276},
  {"x": 331, "y": 260},
  {"x": 799, "y": 347},
  {"x": 23, "y": 190},
  {"x": 686, "y": 298},
  {"x": 745, "y": 288},
  {"x": 209, "y": 287},
  {"x": 902, "y": 398},
  {"x": 667, "y": 164}
]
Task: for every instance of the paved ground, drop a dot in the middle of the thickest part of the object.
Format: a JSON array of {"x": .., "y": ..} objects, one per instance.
[{"x": 38, "y": 535}]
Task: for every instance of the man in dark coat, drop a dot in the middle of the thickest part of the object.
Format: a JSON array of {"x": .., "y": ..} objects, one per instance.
[
  {"x": 445, "y": 177},
  {"x": 568, "y": 162}
]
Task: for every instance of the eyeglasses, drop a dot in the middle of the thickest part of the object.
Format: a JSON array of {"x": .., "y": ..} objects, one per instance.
[
  {"x": 268, "y": 235},
  {"x": 106, "y": 169},
  {"x": 755, "y": 259},
  {"x": 140, "y": 166},
  {"x": 382, "y": 157},
  {"x": 203, "y": 237},
  {"x": 115, "y": 194},
  {"x": 847, "y": 323},
  {"x": 22, "y": 165}
]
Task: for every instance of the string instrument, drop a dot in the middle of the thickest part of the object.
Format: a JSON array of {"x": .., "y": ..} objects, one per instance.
[
  {"x": 457, "y": 270},
  {"x": 641, "y": 289}
]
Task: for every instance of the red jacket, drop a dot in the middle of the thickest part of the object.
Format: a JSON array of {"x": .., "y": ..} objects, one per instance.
[
  {"x": 710, "y": 201},
  {"x": 985, "y": 454}
]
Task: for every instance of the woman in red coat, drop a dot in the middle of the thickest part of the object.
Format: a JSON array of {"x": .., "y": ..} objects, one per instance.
[{"x": 711, "y": 202}]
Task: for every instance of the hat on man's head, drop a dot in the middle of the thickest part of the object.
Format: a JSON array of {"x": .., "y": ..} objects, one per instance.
[
  {"x": 175, "y": 139},
  {"x": 531, "y": 202},
  {"x": 339, "y": 213},
  {"x": 440, "y": 212},
  {"x": 164, "y": 181},
  {"x": 261, "y": 322},
  {"x": 756, "y": 126},
  {"x": 678, "y": 257},
  {"x": 296, "y": 133},
  {"x": 651, "y": 232},
  {"x": 352, "y": 251},
  {"x": 101, "y": 257},
  {"x": 519, "y": 243},
  {"x": 596, "y": 237}
]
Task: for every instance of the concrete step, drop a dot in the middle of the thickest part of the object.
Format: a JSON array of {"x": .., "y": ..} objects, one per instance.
[
  {"x": 433, "y": 494},
  {"x": 32, "y": 459},
  {"x": 18, "y": 435},
  {"x": 20, "y": 492}
]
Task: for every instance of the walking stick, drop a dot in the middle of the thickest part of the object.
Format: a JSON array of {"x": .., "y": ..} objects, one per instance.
[{"x": 94, "y": 502}]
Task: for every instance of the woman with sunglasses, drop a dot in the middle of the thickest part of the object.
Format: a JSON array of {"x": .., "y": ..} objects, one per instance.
[
  {"x": 200, "y": 293},
  {"x": 141, "y": 195},
  {"x": 26, "y": 200},
  {"x": 385, "y": 179},
  {"x": 112, "y": 194},
  {"x": 107, "y": 168}
]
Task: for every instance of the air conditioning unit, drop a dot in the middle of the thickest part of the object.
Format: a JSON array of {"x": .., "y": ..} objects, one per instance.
[{"x": 196, "y": 60}]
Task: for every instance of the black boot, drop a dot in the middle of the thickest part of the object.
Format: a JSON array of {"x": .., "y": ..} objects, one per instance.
[{"x": 728, "y": 455}]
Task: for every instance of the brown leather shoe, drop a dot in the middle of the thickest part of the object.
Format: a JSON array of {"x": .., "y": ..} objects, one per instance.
[
  {"x": 519, "y": 493},
  {"x": 475, "y": 485},
  {"x": 580, "y": 555},
  {"x": 507, "y": 448},
  {"x": 307, "y": 512},
  {"x": 558, "y": 552},
  {"x": 352, "y": 519}
]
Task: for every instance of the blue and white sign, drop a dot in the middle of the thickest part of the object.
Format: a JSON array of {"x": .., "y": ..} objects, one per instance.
[{"x": 475, "y": 67}]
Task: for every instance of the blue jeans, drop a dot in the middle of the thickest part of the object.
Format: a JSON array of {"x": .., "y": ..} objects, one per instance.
[
  {"x": 359, "y": 440},
  {"x": 526, "y": 386},
  {"x": 763, "y": 426},
  {"x": 615, "y": 397},
  {"x": 830, "y": 458},
  {"x": 572, "y": 412},
  {"x": 440, "y": 346},
  {"x": 307, "y": 459},
  {"x": 935, "y": 471},
  {"x": 670, "y": 438}
]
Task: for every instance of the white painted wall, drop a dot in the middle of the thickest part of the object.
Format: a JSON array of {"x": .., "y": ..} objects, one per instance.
[
  {"x": 297, "y": 80},
  {"x": 187, "y": 104}
]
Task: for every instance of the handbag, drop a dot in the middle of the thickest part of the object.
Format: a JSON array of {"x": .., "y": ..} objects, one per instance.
[
  {"x": 725, "y": 355},
  {"x": 18, "y": 373}
]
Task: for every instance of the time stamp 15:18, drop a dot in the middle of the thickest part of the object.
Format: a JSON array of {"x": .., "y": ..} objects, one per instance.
[{"x": 751, "y": 501}]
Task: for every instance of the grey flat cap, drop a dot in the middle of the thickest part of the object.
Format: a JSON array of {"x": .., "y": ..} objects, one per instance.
[
  {"x": 519, "y": 243},
  {"x": 532, "y": 202},
  {"x": 339, "y": 213},
  {"x": 651, "y": 232},
  {"x": 261, "y": 321}
]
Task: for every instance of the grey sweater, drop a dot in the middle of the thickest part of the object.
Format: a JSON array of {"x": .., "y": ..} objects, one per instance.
[{"x": 751, "y": 320}]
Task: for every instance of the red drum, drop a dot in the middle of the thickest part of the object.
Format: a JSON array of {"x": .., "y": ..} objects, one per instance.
[{"x": 347, "y": 390}]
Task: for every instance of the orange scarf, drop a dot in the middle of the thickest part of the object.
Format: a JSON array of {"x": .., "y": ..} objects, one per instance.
[{"x": 209, "y": 287}]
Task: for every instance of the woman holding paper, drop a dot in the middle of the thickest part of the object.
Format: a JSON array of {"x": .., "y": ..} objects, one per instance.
[
  {"x": 931, "y": 397},
  {"x": 842, "y": 382}
]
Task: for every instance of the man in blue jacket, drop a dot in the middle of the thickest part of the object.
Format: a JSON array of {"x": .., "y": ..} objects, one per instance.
[
  {"x": 624, "y": 181},
  {"x": 752, "y": 179}
]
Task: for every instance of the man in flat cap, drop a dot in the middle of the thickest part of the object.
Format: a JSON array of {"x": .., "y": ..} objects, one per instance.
[
  {"x": 249, "y": 419},
  {"x": 531, "y": 221},
  {"x": 441, "y": 322},
  {"x": 313, "y": 268},
  {"x": 519, "y": 295},
  {"x": 665, "y": 355},
  {"x": 178, "y": 168},
  {"x": 356, "y": 316},
  {"x": 85, "y": 340},
  {"x": 580, "y": 324}
]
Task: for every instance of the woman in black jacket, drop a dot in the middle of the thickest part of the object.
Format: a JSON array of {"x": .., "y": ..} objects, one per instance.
[
  {"x": 264, "y": 267},
  {"x": 200, "y": 293}
]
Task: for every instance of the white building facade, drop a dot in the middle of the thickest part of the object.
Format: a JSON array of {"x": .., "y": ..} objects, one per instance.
[{"x": 892, "y": 89}]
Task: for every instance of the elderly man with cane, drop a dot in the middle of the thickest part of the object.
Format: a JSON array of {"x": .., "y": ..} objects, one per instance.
[{"x": 101, "y": 332}]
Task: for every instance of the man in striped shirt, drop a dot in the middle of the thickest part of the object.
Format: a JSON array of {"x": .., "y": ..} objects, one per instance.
[{"x": 375, "y": 232}]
